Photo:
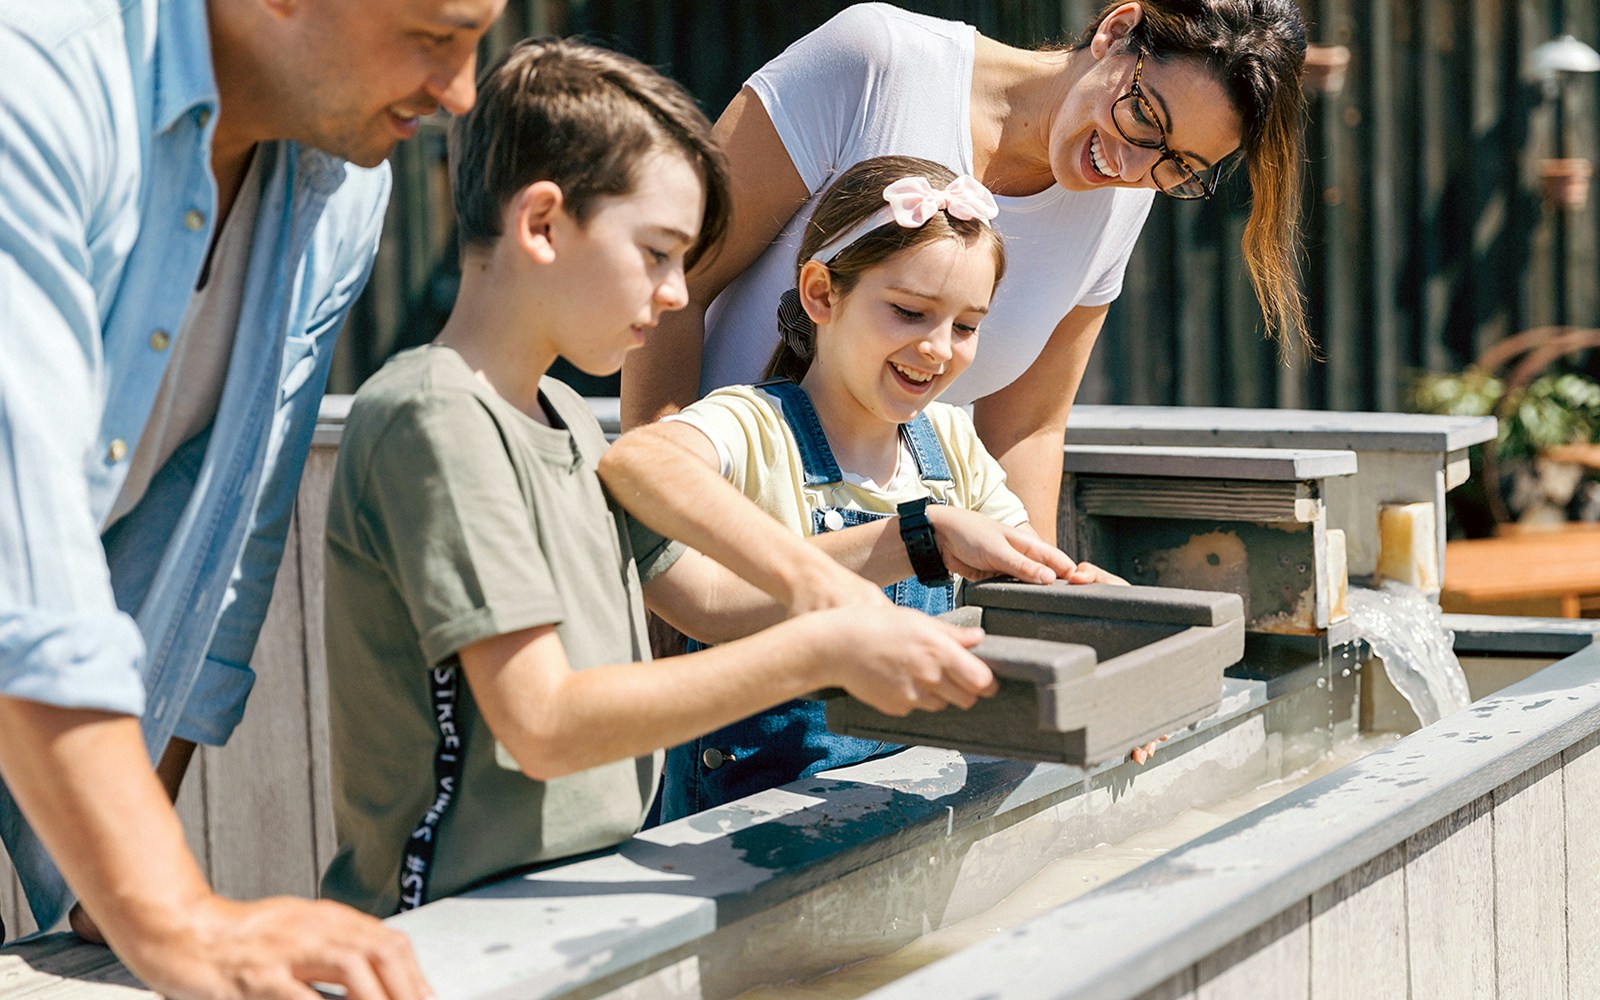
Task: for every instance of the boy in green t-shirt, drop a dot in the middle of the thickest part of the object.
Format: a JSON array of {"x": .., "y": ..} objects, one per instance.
[{"x": 485, "y": 627}]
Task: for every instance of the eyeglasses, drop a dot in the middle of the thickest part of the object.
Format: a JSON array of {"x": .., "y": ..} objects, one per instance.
[{"x": 1136, "y": 119}]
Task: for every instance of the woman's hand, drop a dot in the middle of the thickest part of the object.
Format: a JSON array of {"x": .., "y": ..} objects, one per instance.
[{"x": 977, "y": 547}]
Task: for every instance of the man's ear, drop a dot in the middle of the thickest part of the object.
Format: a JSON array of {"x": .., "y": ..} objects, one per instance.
[
  {"x": 536, "y": 213},
  {"x": 1115, "y": 27},
  {"x": 816, "y": 291}
]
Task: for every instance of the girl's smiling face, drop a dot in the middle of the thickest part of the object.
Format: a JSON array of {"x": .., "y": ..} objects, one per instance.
[{"x": 898, "y": 339}]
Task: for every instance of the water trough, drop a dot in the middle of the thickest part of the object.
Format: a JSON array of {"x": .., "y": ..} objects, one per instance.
[{"x": 1444, "y": 865}]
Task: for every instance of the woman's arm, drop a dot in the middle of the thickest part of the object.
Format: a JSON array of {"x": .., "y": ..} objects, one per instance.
[
  {"x": 1024, "y": 425},
  {"x": 555, "y": 720},
  {"x": 664, "y": 375}
]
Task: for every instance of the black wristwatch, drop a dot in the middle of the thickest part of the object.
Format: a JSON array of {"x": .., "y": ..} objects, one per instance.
[{"x": 921, "y": 548}]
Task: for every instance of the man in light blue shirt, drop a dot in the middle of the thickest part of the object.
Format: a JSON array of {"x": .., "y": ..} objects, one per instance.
[{"x": 161, "y": 362}]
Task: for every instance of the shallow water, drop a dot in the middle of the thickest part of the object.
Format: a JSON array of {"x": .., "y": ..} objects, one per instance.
[
  {"x": 1060, "y": 881},
  {"x": 1406, "y": 630}
]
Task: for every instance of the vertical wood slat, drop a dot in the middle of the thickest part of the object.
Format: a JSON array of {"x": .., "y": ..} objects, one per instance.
[
  {"x": 1530, "y": 885},
  {"x": 258, "y": 802},
  {"x": 311, "y": 513},
  {"x": 1450, "y": 906},
  {"x": 1271, "y": 961},
  {"x": 1581, "y": 99},
  {"x": 1581, "y": 787},
  {"x": 1358, "y": 933}
]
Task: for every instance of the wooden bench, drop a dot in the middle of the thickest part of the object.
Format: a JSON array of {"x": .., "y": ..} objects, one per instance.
[{"x": 1552, "y": 572}]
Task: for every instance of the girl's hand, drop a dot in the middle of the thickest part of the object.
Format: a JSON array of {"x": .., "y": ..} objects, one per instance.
[
  {"x": 896, "y": 659},
  {"x": 977, "y": 547}
]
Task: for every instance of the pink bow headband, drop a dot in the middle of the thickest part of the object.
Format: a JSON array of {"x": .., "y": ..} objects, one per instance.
[{"x": 912, "y": 202}]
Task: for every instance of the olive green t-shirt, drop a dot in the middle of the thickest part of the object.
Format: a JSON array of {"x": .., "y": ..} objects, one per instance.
[{"x": 454, "y": 517}]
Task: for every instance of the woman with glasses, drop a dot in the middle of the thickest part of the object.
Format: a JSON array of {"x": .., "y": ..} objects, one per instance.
[{"x": 1160, "y": 95}]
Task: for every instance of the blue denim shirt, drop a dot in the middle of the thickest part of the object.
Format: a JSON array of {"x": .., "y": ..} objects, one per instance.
[{"x": 106, "y": 213}]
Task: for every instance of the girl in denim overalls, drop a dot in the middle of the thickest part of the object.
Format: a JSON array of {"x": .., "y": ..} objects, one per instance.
[{"x": 893, "y": 278}]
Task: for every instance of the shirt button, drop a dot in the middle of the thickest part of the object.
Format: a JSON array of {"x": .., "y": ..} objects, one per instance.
[
  {"x": 117, "y": 450},
  {"x": 204, "y": 117},
  {"x": 714, "y": 758},
  {"x": 193, "y": 220},
  {"x": 159, "y": 340}
]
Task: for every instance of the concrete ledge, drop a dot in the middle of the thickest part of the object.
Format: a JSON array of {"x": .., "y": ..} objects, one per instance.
[
  {"x": 1139, "y": 931},
  {"x": 1230, "y": 427},
  {"x": 1252, "y": 464}
]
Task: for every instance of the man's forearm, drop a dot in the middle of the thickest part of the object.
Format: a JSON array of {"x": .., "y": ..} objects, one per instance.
[{"x": 84, "y": 783}]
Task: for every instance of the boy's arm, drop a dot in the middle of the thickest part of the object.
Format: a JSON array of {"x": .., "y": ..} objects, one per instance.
[
  {"x": 555, "y": 720},
  {"x": 665, "y": 474}
]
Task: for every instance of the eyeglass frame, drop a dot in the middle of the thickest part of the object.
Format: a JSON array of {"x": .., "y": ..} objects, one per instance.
[{"x": 1136, "y": 93}]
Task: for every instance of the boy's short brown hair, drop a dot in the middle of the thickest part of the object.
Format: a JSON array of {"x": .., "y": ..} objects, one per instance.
[{"x": 584, "y": 118}]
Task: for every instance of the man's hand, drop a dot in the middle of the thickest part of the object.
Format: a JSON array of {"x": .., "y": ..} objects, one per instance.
[
  {"x": 977, "y": 547},
  {"x": 224, "y": 950},
  {"x": 897, "y": 659}
]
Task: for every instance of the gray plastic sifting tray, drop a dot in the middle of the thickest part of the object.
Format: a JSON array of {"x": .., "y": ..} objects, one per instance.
[{"x": 1086, "y": 672}]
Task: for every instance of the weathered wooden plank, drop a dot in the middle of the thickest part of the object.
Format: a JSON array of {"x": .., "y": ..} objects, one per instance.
[
  {"x": 59, "y": 967},
  {"x": 1581, "y": 786},
  {"x": 1358, "y": 940},
  {"x": 191, "y": 808},
  {"x": 1530, "y": 885},
  {"x": 1581, "y": 108},
  {"x": 311, "y": 515},
  {"x": 1450, "y": 906},
  {"x": 258, "y": 803},
  {"x": 1271, "y": 961},
  {"x": 1540, "y": 277}
]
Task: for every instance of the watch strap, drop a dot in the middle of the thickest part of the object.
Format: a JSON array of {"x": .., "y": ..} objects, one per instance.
[{"x": 922, "y": 549}]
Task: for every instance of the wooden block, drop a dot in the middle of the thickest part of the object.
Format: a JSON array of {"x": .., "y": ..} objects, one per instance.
[
  {"x": 1530, "y": 885},
  {"x": 1358, "y": 933},
  {"x": 1450, "y": 905},
  {"x": 1271, "y": 961},
  {"x": 1581, "y": 784},
  {"x": 1070, "y": 702}
]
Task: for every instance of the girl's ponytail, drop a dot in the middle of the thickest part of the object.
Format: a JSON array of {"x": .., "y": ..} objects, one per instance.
[{"x": 797, "y": 340}]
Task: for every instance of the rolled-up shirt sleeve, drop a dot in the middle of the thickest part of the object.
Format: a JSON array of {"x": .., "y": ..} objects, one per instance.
[{"x": 62, "y": 639}]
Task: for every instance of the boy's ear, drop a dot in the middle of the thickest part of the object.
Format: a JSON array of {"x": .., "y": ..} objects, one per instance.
[
  {"x": 535, "y": 214},
  {"x": 816, "y": 291}
]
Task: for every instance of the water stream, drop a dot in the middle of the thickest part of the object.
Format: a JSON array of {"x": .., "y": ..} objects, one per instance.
[
  {"x": 1059, "y": 882},
  {"x": 1406, "y": 631}
]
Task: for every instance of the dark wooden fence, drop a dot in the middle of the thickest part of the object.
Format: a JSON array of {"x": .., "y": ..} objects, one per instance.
[{"x": 1426, "y": 235}]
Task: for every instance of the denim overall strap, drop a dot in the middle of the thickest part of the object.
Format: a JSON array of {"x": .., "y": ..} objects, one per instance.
[
  {"x": 816, "y": 458},
  {"x": 925, "y": 449}
]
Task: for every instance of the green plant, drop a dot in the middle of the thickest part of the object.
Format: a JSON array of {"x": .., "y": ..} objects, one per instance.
[{"x": 1555, "y": 409}]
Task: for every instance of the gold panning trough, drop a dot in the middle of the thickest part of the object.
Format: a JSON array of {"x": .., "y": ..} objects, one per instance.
[{"x": 1085, "y": 672}]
